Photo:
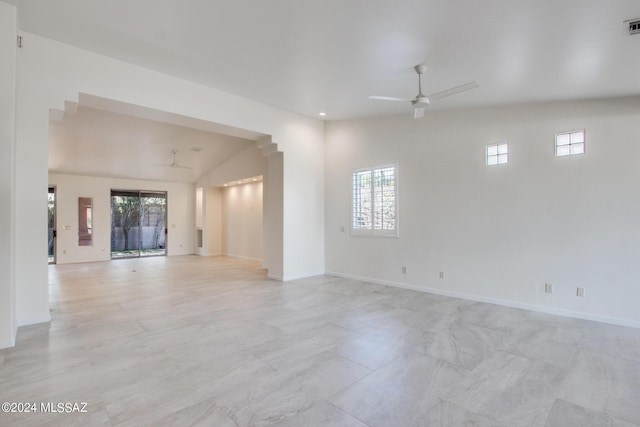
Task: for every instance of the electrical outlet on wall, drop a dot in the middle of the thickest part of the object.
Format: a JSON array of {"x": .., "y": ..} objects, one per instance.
[
  {"x": 442, "y": 274},
  {"x": 580, "y": 292},
  {"x": 404, "y": 270},
  {"x": 548, "y": 288}
]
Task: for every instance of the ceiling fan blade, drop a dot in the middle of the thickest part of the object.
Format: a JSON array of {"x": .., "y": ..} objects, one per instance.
[
  {"x": 389, "y": 98},
  {"x": 453, "y": 91},
  {"x": 418, "y": 113},
  {"x": 175, "y": 164},
  {"x": 171, "y": 165}
]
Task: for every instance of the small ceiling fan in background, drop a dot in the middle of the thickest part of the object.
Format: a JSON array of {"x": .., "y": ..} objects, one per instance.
[
  {"x": 421, "y": 101},
  {"x": 174, "y": 163}
]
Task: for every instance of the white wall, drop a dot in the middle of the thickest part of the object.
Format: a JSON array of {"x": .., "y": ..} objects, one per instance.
[
  {"x": 50, "y": 73},
  {"x": 244, "y": 164},
  {"x": 180, "y": 215},
  {"x": 8, "y": 33},
  {"x": 273, "y": 208},
  {"x": 303, "y": 179},
  {"x": 242, "y": 220},
  {"x": 199, "y": 206},
  {"x": 499, "y": 233},
  {"x": 211, "y": 222},
  {"x": 213, "y": 237}
]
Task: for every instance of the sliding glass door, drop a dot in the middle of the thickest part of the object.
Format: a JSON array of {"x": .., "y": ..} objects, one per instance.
[{"x": 138, "y": 223}]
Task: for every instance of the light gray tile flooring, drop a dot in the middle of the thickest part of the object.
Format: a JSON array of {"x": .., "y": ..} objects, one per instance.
[{"x": 182, "y": 341}]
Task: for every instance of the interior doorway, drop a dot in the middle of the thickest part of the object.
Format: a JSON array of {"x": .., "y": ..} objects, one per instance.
[
  {"x": 72, "y": 132},
  {"x": 138, "y": 223},
  {"x": 51, "y": 227}
]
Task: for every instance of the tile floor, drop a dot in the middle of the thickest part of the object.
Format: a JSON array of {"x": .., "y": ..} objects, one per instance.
[{"x": 184, "y": 341}]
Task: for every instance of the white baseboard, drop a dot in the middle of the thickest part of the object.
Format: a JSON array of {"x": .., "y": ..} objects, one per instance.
[
  {"x": 243, "y": 257},
  {"x": 46, "y": 317},
  {"x": 7, "y": 343},
  {"x": 208, "y": 255},
  {"x": 302, "y": 276},
  {"x": 498, "y": 301}
]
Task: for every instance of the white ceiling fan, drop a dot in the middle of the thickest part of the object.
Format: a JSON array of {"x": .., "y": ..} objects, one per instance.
[
  {"x": 174, "y": 163},
  {"x": 421, "y": 101}
]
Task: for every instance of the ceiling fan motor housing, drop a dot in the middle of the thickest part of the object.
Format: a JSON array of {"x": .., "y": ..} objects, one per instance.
[
  {"x": 420, "y": 101},
  {"x": 420, "y": 68}
]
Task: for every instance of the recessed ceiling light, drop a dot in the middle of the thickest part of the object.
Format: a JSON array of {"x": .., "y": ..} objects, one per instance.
[
  {"x": 254, "y": 179},
  {"x": 239, "y": 182},
  {"x": 196, "y": 149},
  {"x": 322, "y": 114},
  {"x": 226, "y": 185}
]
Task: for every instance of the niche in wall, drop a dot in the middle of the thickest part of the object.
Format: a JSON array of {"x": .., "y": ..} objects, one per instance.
[{"x": 85, "y": 221}]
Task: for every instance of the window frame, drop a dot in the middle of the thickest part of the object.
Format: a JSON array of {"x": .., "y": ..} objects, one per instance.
[
  {"x": 373, "y": 232},
  {"x": 570, "y": 144},
  {"x": 498, "y": 154}
]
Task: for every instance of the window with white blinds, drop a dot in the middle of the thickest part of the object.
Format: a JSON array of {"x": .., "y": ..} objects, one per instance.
[{"x": 375, "y": 201}]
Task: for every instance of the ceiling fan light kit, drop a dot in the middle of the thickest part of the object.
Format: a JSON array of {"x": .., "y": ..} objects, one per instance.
[{"x": 421, "y": 101}]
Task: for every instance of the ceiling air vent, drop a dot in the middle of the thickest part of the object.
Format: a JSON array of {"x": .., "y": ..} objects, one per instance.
[{"x": 634, "y": 26}]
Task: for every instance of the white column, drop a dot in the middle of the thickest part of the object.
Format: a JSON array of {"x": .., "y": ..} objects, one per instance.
[{"x": 8, "y": 46}]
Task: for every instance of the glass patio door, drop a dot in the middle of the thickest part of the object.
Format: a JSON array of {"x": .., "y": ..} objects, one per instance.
[
  {"x": 153, "y": 221},
  {"x": 138, "y": 223}
]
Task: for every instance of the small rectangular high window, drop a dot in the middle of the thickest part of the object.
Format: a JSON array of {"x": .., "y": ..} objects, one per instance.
[
  {"x": 497, "y": 154},
  {"x": 570, "y": 143}
]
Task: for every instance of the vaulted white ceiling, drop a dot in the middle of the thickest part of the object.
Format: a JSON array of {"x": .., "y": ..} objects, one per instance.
[
  {"x": 309, "y": 56},
  {"x": 97, "y": 142}
]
